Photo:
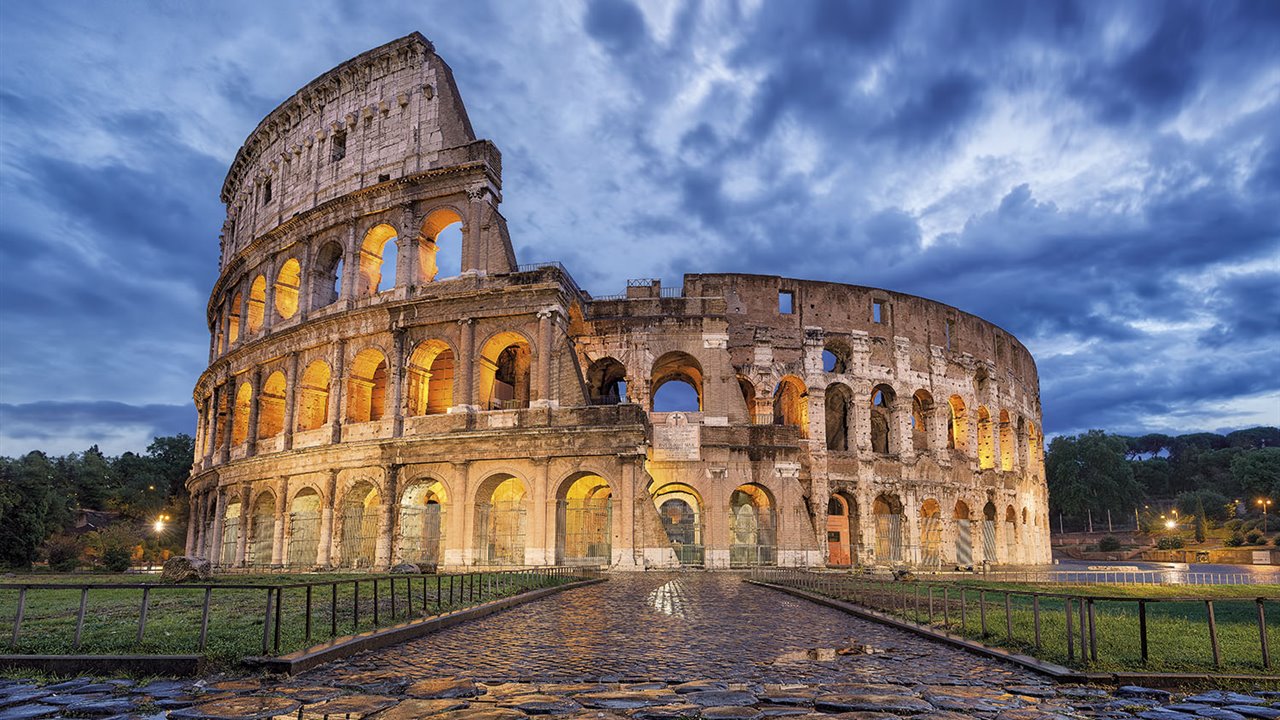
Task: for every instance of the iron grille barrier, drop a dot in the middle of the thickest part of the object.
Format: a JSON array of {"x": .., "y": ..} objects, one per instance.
[
  {"x": 229, "y": 619},
  {"x": 1071, "y": 628}
]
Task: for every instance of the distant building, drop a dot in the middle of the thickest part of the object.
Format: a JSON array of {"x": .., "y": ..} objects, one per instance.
[{"x": 380, "y": 393}]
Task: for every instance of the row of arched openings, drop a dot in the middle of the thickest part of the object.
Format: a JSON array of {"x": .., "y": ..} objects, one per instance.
[{"x": 752, "y": 524}]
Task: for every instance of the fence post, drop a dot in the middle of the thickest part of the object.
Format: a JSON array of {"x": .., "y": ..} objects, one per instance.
[
  {"x": 279, "y": 606},
  {"x": 1035, "y": 613},
  {"x": 1213, "y": 633},
  {"x": 1084, "y": 640},
  {"x": 946, "y": 607},
  {"x": 375, "y": 602},
  {"x": 308, "y": 625},
  {"x": 930, "y": 604},
  {"x": 964, "y": 603},
  {"x": 1093, "y": 635},
  {"x": 392, "y": 594},
  {"x": 1142, "y": 628},
  {"x": 266, "y": 621},
  {"x": 84, "y": 599},
  {"x": 1008, "y": 618},
  {"x": 355, "y": 606},
  {"x": 1262, "y": 635},
  {"x": 17, "y": 618},
  {"x": 1071, "y": 634},
  {"x": 333, "y": 610},
  {"x": 204, "y": 617},
  {"x": 142, "y": 613},
  {"x": 982, "y": 610}
]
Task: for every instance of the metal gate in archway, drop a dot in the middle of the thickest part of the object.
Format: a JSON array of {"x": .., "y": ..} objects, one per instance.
[
  {"x": 500, "y": 532},
  {"x": 422, "y": 533},
  {"x": 230, "y": 536},
  {"x": 584, "y": 529},
  {"x": 931, "y": 541},
  {"x": 964, "y": 543},
  {"x": 683, "y": 526},
  {"x": 359, "y": 534},
  {"x": 304, "y": 538},
  {"x": 752, "y": 537},
  {"x": 889, "y": 538},
  {"x": 989, "y": 541}
]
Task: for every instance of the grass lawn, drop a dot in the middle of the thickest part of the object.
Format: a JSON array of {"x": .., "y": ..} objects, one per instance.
[
  {"x": 1178, "y": 636},
  {"x": 237, "y": 611}
]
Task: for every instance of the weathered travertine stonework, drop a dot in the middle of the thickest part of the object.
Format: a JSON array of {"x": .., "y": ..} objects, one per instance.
[{"x": 504, "y": 416}]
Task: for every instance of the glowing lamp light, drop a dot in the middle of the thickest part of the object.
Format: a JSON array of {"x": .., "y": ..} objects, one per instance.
[
  {"x": 1171, "y": 524},
  {"x": 159, "y": 526}
]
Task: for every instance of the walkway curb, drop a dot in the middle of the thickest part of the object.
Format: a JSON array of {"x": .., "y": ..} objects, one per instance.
[
  {"x": 303, "y": 660},
  {"x": 66, "y": 665},
  {"x": 1057, "y": 672}
]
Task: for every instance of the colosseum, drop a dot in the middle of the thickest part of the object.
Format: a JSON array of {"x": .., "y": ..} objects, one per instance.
[{"x": 388, "y": 384}]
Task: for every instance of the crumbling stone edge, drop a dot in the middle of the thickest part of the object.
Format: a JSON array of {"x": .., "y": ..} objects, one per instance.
[
  {"x": 303, "y": 660},
  {"x": 1057, "y": 672},
  {"x": 143, "y": 665}
]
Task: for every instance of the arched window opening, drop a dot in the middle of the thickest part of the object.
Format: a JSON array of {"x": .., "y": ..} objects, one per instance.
[
  {"x": 842, "y": 529},
  {"x": 584, "y": 527},
  {"x": 359, "y": 518},
  {"x": 377, "y": 260},
  {"x": 271, "y": 406},
  {"x": 240, "y": 424},
  {"x": 986, "y": 440},
  {"x": 836, "y": 409},
  {"x": 607, "y": 382},
  {"x": 752, "y": 527},
  {"x": 326, "y": 280},
  {"x": 882, "y": 399},
  {"x": 931, "y": 534},
  {"x": 989, "y": 532},
  {"x": 921, "y": 411},
  {"x": 964, "y": 535},
  {"x": 1010, "y": 534},
  {"x": 233, "y": 326},
  {"x": 504, "y": 372},
  {"x": 257, "y": 303},
  {"x": 367, "y": 387},
  {"x": 220, "y": 422},
  {"x": 684, "y": 374},
  {"x": 888, "y": 514},
  {"x": 440, "y": 246},
  {"x": 680, "y": 509},
  {"x": 748, "y": 390},
  {"x": 791, "y": 404},
  {"x": 1007, "y": 443},
  {"x": 230, "y": 534},
  {"x": 303, "y": 540},
  {"x": 501, "y": 507},
  {"x": 429, "y": 379},
  {"x": 288, "y": 283},
  {"x": 262, "y": 528},
  {"x": 957, "y": 425},
  {"x": 313, "y": 396},
  {"x": 422, "y": 524},
  {"x": 835, "y": 357}
]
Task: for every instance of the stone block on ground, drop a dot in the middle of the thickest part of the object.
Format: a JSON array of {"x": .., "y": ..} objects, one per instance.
[{"x": 185, "y": 568}]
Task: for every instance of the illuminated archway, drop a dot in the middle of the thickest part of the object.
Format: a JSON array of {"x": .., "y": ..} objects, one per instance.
[
  {"x": 233, "y": 325},
  {"x": 986, "y": 440},
  {"x": 367, "y": 386},
  {"x": 377, "y": 260},
  {"x": 790, "y": 404},
  {"x": 257, "y": 303},
  {"x": 240, "y": 416},
  {"x": 753, "y": 535},
  {"x": 313, "y": 396},
  {"x": 957, "y": 425},
  {"x": 504, "y": 372},
  {"x": 440, "y": 245},
  {"x": 359, "y": 525},
  {"x": 1007, "y": 444},
  {"x": 931, "y": 533},
  {"x": 262, "y": 527},
  {"x": 271, "y": 406},
  {"x": 429, "y": 379},
  {"x": 887, "y": 510},
  {"x": 501, "y": 508},
  {"x": 680, "y": 509},
  {"x": 584, "y": 528},
  {"x": 422, "y": 523},
  {"x": 304, "y": 528},
  {"x": 288, "y": 283},
  {"x": 683, "y": 369},
  {"x": 964, "y": 534}
]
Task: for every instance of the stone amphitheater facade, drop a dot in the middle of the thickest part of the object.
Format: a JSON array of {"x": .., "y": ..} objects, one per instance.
[{"x": 368, "y": 403}]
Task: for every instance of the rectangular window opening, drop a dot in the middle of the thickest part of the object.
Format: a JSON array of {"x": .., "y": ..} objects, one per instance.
[
  {"x": 338, "y": 146},
  {"x": 384, "y": 177},
  {"x": 786, "y": 302},
  {"x": 266, "y": 192},
  {"x": 877, "y": 312},
  {"x": 951, "y": 332}
]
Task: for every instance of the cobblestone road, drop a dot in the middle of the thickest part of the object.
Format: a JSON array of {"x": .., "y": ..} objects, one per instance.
[{"x": 679, "y": 627}]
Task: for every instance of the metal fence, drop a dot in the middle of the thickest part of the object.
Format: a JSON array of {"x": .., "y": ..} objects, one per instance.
[
  {"x": 1069, "y": 628},
  {"x": 1114, "y": 577},
  {"x": 114, "y": 618}
]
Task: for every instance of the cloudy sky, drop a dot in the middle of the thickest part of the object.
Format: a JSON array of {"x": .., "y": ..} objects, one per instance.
[{"x": 1101, "y": 179}]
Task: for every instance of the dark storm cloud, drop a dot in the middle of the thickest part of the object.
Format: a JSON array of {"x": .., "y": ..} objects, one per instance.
[{"x": 617, "y": 24}]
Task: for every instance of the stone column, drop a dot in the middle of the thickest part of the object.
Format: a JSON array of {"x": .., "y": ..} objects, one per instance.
[
  {"x": 397, "y": 361},
  {"x": 465, "y": 367},
  {"x": 255, "y": 380},
  {"x": 229, "y": 389},
  {"x": 269, "y": 297},
  {"x": 386, "y": 503},
  {"x": 624, "y": 513},
  {"x": 337, "y": 389},
  {"x": 201, "y": 500},
  {"x": 244, "y": 312},
  {"x": 219, "y": 520},
  {"x": 540, "y": 546},
  {"x": 282, "y": 506},
  {"x": 472, "y": 254},
  {"x": 192, "y": 515},
  {"x": 290, "y": 398},
  {"x": 350, "y": 266},
  {"x": 306, "y": 281},
  {"x": 461, "y": 509},
  {"x": 210, "y": 426},
  {"x": 242, "y": 537},
  {"x": 407, "y": 275},
  {"x": 324, "y": 553},
  {"x": 225, "y": 322}
]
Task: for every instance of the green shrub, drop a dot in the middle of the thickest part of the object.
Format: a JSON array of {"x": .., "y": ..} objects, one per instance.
[
  {"x": 1169, "y": 543},
  {"x": 1233, "y": 524},
  {"x": 1254, "y": 538},
  {"x": 1276, "y": 541},
  {"x": 1249, "y": 525},
  {"x": 116, "y": 559},
  {"x": 1109, "y": 543},
  {"x": 1236, "y": 540},
  {"x": 63, "y": 552}
]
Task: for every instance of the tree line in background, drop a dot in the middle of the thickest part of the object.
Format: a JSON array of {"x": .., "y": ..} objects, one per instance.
[
  {"x": 87, "y": 509},
  {"x": 1211, "y": 480}
]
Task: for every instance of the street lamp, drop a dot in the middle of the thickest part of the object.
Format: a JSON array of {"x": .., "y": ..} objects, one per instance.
[
  {"x": 1171, "y": 524},
  {"x": 1264, "y": 502},
  {"x": 159, "y": 523}
]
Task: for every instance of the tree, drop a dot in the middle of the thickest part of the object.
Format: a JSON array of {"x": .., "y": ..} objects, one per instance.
[
  {"x": 1201, "y": 526},
  {"x": 26, "y": 497},
  {"x": 1089, "y": 473},
  {"x": 1258, "y": 473},
  {"x": 1209, "y": 503}
]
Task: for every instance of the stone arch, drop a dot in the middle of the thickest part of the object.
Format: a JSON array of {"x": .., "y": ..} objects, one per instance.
[
  {"x": 240, "y": 415},
  {"x": 429, "y": 378},
  {"x": 271, "y": 406},
  {"x": 584, "y": 529},
  {"x": 1011, "y": 534},
  {"x": 232, "y": 517},
  {"x": 753, "y": 526},
  {"x": 931, "y": 533},
  {"x": 367, "y": 386},
  {"x": 257, "y": 303},
  {"x": 680, "y": 510},
  {"x": 505, "y": 359},
  {"x": 838, "y": 400},
  {"x": 262, "y": 528},
  {"x": 424, "y": 507},
  {"x": 748, "y": 390},
  {"x": 882, "y": 404},
  {"x": 288, "y": 284},
  {"x": 233, "y": 324},
  {"x": 989, "y": 532},
  {"x": 606, "y": 382},
  {"x": 1007, "y": 444},
  {"x": 303, "y": 530},
  {"x": 888, "y": 512},
  {"x": 501, "y": 507},
  {"x": 957, "y": 425},
  {"x": 843, "y": 542},
  {"x": 921, "y": 417},
  {"x": 837, "y": 355},
  {"x": 964, "y": 534},
  {"x": 679, "y": 367},
  {"x": 440, "y": 244},
  {"x": 326, "y": 274},
  {"x": 313, "y": 396},
  {"x": 357, "y": 524},
  {"x": 790, "y": 404},
  {"x": 377, "y": 250},
  {"x": 986, "y": 440}
]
